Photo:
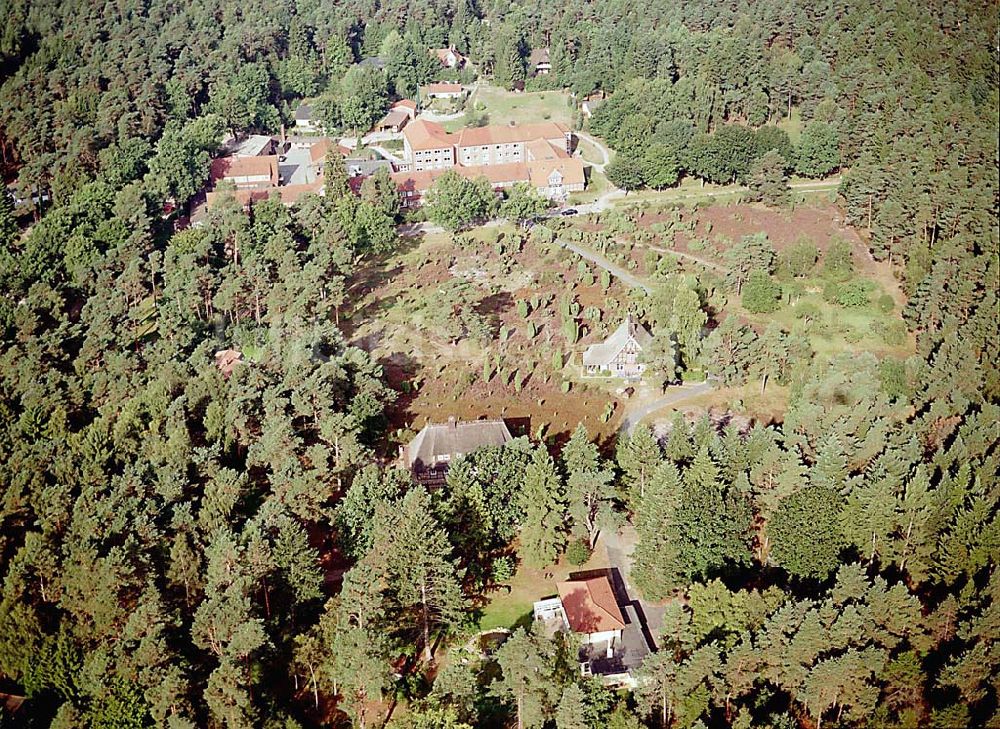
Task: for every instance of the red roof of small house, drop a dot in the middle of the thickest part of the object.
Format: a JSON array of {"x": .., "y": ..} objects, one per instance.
[
  {"x": 501, "y": 175},
  {"x": 317, "y": 152},
  {"x": 443, "y": 53},
  {"x": 226, "y": 360},
  {"x": 404, "y": 104},
  {"x": 590, "y": 605},
  {"x": 441, "y": 88},
  {"x": 228, "y": 167},
  {"x": 287, "y": 194}
]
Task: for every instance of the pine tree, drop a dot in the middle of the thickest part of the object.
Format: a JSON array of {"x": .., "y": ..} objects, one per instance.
[
  {"x": 525, "y": 678},
  {"x": 771, "y": 355},
  {"x": 572, "y": 711},
  {"x": 768, "y": 182},
  {"x": 830, "y": 469},
  {"x": 702, "y": 471},
  {"x": 805, "y": 532},
  {"x": 638, "y": 455},
  {"x": 656, "y": 567},
  {"x": 422, "y": 579},
  {"x": 589, "y": 486},
  {"x": 8, "y": 224},
  {"x": 335, "y": 175},
  {"x": 543, "y": 534},
  {"x": 678, "y": 446}
]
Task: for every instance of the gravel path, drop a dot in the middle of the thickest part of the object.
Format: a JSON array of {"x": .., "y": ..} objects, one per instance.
[
  {"x": 607, "y": 265},
  {"x": 674, "y": 395}
]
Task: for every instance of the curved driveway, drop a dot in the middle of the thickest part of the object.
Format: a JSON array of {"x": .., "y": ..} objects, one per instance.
[{"x": 675, "y": 395}]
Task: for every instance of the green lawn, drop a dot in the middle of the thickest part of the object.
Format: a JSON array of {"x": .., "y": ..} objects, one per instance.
[
  {"x": 504, "y": 107},
  {"x": 792, "y": 125},
  {"x": 597, "y": 185},
  {"x": 589, "y": 152},
  {"x": 509, "y": 609},
  {"x": 836, "y": 328}
]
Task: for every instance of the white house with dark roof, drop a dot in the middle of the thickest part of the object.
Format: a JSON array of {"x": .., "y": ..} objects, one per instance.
[
  {"x": 429, "y": 455},
  {"x": 305, "y": 120},
  {"x": 620, "y": 355},
  {"x": 611, "y": 636}
]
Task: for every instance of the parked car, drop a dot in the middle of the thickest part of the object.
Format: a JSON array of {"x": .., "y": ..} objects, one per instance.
[{"x": 569, "y": 211}]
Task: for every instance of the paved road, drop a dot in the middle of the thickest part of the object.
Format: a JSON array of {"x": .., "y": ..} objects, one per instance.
[
  {"x": 607, "y": 265},
  {"x": 602, "y": 203},
  {"x": 674, "y": 395}
]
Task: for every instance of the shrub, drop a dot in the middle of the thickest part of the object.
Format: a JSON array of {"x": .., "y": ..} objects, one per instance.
[
  {"x": 886, "y": 304},
  {"x": 503, "y": 569},
  {"x": 892, "y": 332},
  {"x": 761, "y": 294},
  {"x": 854, "y": 294},
  {"x": 801, "y": 257},
  {"x": 831, "y": 292},
  {"x": 837, "y": 263},
  {"x": 578, "y": 552}
]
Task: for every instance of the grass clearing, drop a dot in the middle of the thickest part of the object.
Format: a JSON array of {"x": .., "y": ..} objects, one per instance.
[
  {"x": 514, "y": 608},
  {"x": 597, "y": 185},
  {"x": 589, "y": 151},
  {"x": 792, "y": 125},
  {"x": 504, "y": 107}
]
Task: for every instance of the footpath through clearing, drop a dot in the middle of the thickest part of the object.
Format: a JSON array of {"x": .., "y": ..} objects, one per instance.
[
  {"x": 612, "y": 268},
  {"x": 673, "y": 396}
]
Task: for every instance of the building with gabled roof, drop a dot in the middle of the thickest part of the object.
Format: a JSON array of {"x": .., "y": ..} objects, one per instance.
[
  {"x": 437, "y": 445},
  {"x": 591, "y": 608},
  {"x": 449, "y": 57},
  {"x": 441, "y": 90},
  {"x": 613, "y": 639},
  {"x": 246, "y": 172},
  {"x": 540, "y": 61},
  {"x": 393, "y": 121},
  {"x": 620, "y": 354},
  {"x": 306, "y": 119}
]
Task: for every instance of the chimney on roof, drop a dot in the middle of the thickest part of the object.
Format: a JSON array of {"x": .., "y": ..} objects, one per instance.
[{"x": 451, "y": 422}]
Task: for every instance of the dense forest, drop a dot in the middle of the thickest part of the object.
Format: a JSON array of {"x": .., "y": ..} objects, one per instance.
[{"x": 166, "y": 531}]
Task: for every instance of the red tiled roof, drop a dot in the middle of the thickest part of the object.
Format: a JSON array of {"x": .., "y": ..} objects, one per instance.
[
  {"x": 317, "y": 152},
  {"x": 590, "y": 605},
  {"x": 422, "y": 134},
  {"x": 404, "y": 104},
  {"x": 498, "y": 134},
  {"x": 226, "y": 360},
  {"x": 540, "y": 149},
  {"x": 498, "y": 175},
  {"x": 227, "y": 167},
  {"x": 288, "y": 194},
  {"x": 440, "y": 88},
  {"x": 570, "y": 169}
]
